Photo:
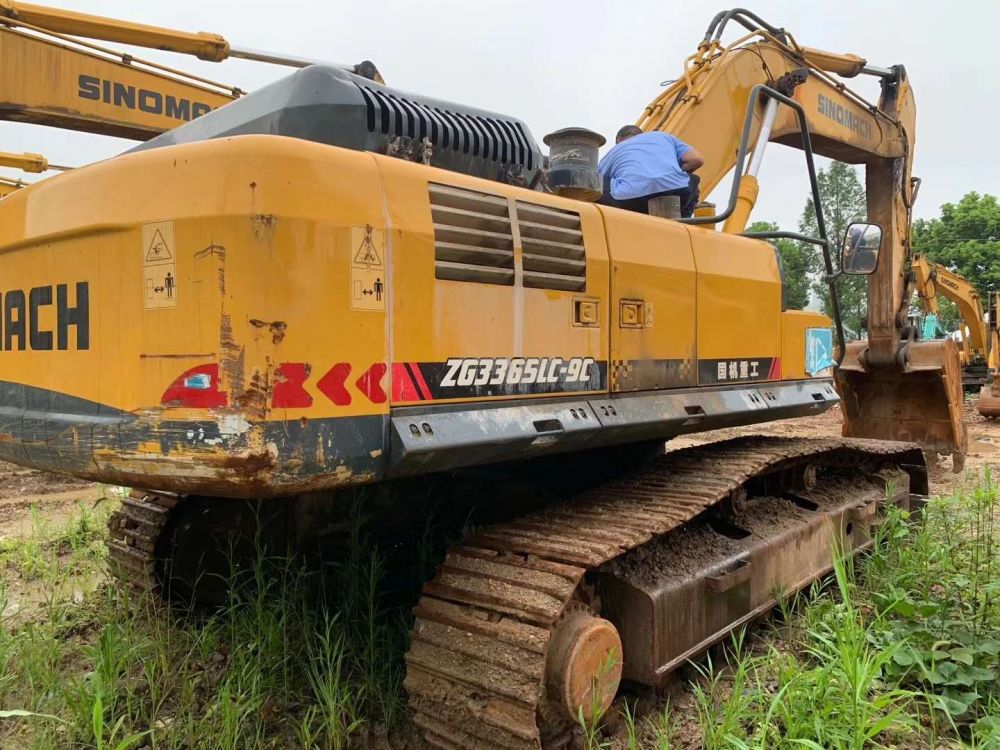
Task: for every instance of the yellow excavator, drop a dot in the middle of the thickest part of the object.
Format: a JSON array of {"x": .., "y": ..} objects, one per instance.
[
  {"x": 933, "y": 278},
  {"x": 988, "y": 403},
  {"x": 331, "y": 291},
  {"x": 53, "y": 73}
]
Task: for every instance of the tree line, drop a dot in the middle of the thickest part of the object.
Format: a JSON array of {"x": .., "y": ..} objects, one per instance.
[{"x": 965, "y": 238}]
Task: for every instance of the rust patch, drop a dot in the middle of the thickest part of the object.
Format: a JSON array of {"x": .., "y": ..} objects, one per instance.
[
  {"x": 231, "y": 358},
  {"x": 254, "y": 398},
  {"x": 253, "y": 463},
  {"x": 277, "y": 328},
  {"x": 219, "y": 252}
]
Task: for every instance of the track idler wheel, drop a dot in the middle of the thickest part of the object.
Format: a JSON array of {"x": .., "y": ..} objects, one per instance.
[{"x": 584, "y": 666}]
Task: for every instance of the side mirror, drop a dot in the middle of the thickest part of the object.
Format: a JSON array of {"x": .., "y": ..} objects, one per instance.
[{"x": 859, "y": 253}]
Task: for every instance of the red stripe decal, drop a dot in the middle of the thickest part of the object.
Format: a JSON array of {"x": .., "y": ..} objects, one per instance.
[
  {"x": 403, "y": 387},
  {"x": 425, "y": 392},
  {"x": 370, "y": 383},
  {"x": 775, "y": 372},
  {"x": 332, "y": 385},
  {"x": 289, "y": 392},
  {"x": 197, "y": 388}
]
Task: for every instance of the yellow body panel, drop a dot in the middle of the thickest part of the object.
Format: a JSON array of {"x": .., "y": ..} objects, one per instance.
[
  {"x": 652, "y": 302},
  {"x": 437, "y": 319},
  {"x": 263, "y": 367},
  {"x": 739, "y": 298}
]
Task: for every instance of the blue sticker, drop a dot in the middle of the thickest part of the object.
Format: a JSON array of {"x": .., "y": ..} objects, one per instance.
[{"x": 819, "y": 350}]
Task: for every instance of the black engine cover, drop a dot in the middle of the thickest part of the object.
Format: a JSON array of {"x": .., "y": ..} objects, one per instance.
[{"x": 329, "y": 105}]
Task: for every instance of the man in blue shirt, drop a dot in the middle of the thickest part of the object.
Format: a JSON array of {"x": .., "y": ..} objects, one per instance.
[{"x": 641, "y": 166}]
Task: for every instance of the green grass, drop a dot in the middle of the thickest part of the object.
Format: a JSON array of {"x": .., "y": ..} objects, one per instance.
[
  {"x": 902, "y": 652},
  {"x": 277, "y": 667}
]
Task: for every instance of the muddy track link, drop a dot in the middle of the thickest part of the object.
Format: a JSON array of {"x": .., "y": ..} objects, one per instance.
[
  {"x": 476, "y": 667},
  {"x": 133, "y": 533}
]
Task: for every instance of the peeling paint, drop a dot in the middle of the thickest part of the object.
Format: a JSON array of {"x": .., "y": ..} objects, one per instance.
[
  {"x": 264, "y": 227},
  {"x": 277, "y": 328},
  {"x": 233, "y": 425}
]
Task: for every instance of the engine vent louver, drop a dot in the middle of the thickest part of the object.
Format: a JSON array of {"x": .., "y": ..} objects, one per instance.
[
  {"x": 491, "y": 138},
  {"x": 553, "y": 253},
  {"x": 472, "y": 236}
]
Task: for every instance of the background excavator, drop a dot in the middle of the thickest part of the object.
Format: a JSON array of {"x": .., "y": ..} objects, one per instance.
[
  {"x": 52, "y": 73},
  {"x": 931, "y": 279},
  {"x": 331, "y": 292},
  {"x": 988, "y": 402}
]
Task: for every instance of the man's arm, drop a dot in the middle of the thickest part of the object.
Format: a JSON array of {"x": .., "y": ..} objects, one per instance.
[{"x": 691, "y": 160}]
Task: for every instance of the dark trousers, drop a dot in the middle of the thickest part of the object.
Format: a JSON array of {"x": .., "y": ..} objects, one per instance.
[{"x": 689, "y": 198}]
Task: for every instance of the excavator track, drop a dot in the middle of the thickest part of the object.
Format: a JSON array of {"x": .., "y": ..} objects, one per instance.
[
  {"x": 492, "y": 621},
  {"x": 133, "y": 533}
]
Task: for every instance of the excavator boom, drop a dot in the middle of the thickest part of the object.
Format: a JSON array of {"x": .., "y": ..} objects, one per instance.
[
  {"x": 52, "y": 73},
  {"x": 48, "y": 81}
]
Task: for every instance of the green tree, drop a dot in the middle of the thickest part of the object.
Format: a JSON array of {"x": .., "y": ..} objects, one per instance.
[
  {"x": 843, "y": 199},
  {"x": 798, "y": 262},
  {"x": 965, "y": 239}
]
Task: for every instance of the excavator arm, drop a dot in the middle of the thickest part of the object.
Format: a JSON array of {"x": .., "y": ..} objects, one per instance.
[{"x": 892, "y": 386}]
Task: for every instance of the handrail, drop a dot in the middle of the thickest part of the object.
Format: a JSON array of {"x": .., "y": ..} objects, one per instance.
[{"x": 756, "y": 93}]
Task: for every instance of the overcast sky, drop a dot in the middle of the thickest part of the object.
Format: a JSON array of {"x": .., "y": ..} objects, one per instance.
[{"x": 556, "y": 63}]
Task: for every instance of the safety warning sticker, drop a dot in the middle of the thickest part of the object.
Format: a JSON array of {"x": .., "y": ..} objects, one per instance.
[
  {"x": 368, "y": 279},
  {"x": 159, "y": 265}
]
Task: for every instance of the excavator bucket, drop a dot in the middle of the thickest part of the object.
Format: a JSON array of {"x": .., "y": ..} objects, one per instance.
[
  {"x": 918, "y": 401},
  {"x": 988, "y": 402}
]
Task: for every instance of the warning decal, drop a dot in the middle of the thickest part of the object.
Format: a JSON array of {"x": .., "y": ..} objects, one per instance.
[
  {"x": 158, "y": 250},
  {"x": 368, "y": 279},
  {"x": 159, "y": 267}
]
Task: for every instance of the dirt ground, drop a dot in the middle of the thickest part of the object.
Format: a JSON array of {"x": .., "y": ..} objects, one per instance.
[{"x": 53, "y": 496}]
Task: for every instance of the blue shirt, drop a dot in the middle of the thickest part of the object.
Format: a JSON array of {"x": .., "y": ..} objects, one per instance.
[{"x": 645, "y": 164}]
